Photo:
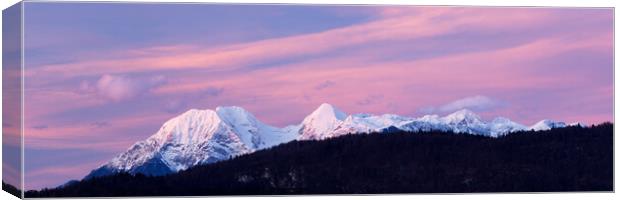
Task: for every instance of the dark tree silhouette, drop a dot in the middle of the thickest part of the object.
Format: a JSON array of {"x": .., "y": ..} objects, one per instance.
[{"x": 11, "y": 189}]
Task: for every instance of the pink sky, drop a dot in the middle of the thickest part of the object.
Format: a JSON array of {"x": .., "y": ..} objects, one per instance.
[{"x": 105, "y": 90}]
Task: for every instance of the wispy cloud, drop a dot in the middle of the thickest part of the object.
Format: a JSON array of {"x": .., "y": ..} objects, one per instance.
[
  {"x": 40, "y": 127},
  {"x": 119, "y": 87},
  {"x": 213, "y": 91},
  {"x": 417, "y": 23},
  {"x": 100, "y": 124},
  {"x": 370, "y": 99},
  {"x": 110, "y": 135},
  {"x": 476, "y": 103},
  {"x": 325, "y": 84}
]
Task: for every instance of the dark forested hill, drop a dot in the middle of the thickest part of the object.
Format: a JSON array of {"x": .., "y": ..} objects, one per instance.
[
  {"x": 11, "y": 189},
  {"x": 565, "y": 159}
]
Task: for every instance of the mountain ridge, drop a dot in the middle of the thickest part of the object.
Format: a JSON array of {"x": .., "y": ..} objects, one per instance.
[
  {"x": 398, "y": 162},
  {"x": 205, "y": 136}
]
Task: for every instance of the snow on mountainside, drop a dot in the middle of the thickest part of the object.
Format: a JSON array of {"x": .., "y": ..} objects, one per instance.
[
  {"x": 366, "y": 123},
  {"x": 501, "y": 126},
  {"x": 466, "y": 121},
  {"x": 547, "y": 124},
  {"x": 196, "y": 137},
  {"x": 320, "y": 123},
  {"x": 206, "y": 136}
]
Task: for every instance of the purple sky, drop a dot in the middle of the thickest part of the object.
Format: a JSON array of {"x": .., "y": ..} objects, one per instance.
[{"x": 100, "y": 77}]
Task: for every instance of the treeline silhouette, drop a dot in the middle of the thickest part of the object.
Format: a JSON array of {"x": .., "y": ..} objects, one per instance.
[
  {"x": 11, "y": 189},
  {"x": 564, "y": 159}
]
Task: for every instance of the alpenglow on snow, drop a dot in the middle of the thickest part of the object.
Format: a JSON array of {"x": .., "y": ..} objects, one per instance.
[{"x": 206, "y": 136}]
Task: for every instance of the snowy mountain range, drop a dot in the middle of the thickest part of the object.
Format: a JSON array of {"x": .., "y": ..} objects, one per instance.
[{"x": 206, "y": 136}]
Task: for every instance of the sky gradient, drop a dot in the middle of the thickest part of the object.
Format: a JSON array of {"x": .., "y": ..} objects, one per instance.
[{"x": 100, "y": 77}]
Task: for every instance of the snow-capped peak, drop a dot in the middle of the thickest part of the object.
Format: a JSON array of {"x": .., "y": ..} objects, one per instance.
[
  {"x": 196, "y": 137},
  {"x": 235, "y": 115},
  {"x": 547, "y": 124},
  {"x": 501, "y": 126},
  {"x": 321, "y": 121},
  {"x": 466, "y": 121},
  {"x": 463, "y": 116},
  {"x": 182, "y": 129},
  {"x": 326, "y": 110}
]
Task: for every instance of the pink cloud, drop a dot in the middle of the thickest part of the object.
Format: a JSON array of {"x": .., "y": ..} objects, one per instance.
[
  {"x": 419, "y": 23},
  {"x": 42, "y": 103},
  {"x": 110, "y": 137},
  {"x": 116, "y": 87},
  {"x": 119, "y": 87}
]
